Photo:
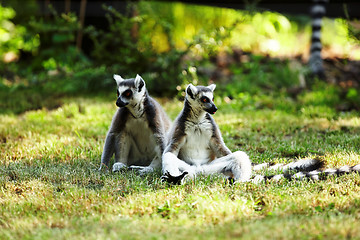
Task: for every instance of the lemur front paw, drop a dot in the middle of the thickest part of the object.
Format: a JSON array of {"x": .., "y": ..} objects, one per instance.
[
  {"x": 142, "y": 170},
  {"x": 176, "y": 180},
  {"x": 118, "y": 166}
]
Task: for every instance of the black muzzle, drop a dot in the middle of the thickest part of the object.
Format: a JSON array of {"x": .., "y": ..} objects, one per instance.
[
  {"x": 212, "y": 109},
  {"x": 121, "y": 103}
]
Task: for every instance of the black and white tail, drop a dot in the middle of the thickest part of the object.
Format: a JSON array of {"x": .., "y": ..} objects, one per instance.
[
  {"x": 305, "y": 169},
  {"x": 315, "y": 61},
  {"x": 308, "y": 164},
  {"x": 303, "y": 165}
]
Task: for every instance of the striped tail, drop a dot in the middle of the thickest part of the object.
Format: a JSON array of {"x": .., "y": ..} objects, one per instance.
[
  {"x": 308, "y": 164},
  {"x": 315, "y": 61},
  {"x": 313, "y": 175},
  {"x": 303, "y": 165}
]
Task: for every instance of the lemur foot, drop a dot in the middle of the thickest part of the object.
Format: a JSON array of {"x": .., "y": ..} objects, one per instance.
[
  {"x": 176, "y": 180},
  {"x": 118, "y": 166},
  {"x": 142, "y": 170}
]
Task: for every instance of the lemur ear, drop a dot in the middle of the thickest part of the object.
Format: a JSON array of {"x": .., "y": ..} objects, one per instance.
[
  {"x": 191, "y": 90},
  {"x": 139, "y": 82},
  {"x": 118, "y": 79},
  {"x": 212, "y": 87}
]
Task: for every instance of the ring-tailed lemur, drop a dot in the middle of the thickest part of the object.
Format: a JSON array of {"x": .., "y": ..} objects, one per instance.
[
  {"x": 137, "y": 134},
  {"x": 315, "y": 61},
  {"x": 195, "y": 143},
  {"x": 196, "y": 146}
]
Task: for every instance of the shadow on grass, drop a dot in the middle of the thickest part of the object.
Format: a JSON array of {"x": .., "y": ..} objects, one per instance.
[
  {"x": 80, "y": 173},
  {"x": 22, "y": 99}
]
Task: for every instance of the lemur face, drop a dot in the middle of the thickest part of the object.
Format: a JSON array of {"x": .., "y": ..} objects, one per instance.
[
  {"x": 129, "y": 91},
  {"x": 202, "y": 96}
]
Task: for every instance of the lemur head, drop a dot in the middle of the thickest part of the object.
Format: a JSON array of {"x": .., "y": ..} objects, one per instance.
[
  {"x": 201, "y": 97},
  {"x": 129, "y": 91}
]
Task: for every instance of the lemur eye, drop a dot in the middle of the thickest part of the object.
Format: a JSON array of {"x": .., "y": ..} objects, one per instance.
[
  {"x": 127, "y": 93},
  {"x": 117, "y": 93},
  {"x": 204, "y": 99}
]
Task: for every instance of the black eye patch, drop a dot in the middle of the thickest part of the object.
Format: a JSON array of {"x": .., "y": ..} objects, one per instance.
[
  {"x": 128, "y": 93},
  {"x": 204, "y": 99}
]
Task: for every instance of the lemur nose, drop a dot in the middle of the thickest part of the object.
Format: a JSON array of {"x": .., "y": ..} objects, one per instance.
[
  {"x": 120, "y": 103},
  {"x": 214, "y": 109}
]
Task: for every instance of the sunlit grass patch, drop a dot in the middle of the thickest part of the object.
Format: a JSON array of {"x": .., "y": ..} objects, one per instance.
[{"x": 50, "y": 186}]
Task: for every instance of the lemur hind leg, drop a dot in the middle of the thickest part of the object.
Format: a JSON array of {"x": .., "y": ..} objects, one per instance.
[
  {"x": 145, "y": 164},
  {"x": 236, "y": 165},
  {"x": 147, "y": 169},
  {"x": 127, "y": 153}
]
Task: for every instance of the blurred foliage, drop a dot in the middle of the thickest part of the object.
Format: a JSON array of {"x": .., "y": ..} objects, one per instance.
[
  {"x": 353, "y": 32},
  {"x": 23, "y": 9},
  {"x": 170, "y": 45},
  {"x": 13, "y": 38},
  {"x": 45, "y": 46},
  {"x": 57, "y": 34},
  {"x": 261, "y": 75},
  {"x": 259, "y": 32},
  {"x": 114, "y": 44},
  {"x": 130, "y": 50}
]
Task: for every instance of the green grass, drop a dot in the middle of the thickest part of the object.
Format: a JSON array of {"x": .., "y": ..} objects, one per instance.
[{"x": 50, "y": 186}]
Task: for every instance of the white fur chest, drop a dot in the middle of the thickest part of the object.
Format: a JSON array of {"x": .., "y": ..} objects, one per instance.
[
  {"x": 196, "y": 149},
  {"x": 142, "y": 137}
]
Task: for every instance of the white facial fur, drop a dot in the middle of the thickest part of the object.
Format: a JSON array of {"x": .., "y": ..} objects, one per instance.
[
  {"x": 136, "y": 95},
  {"x": 192, "y": 88},
  {"x": 138, "y": 80},
  {"x": 198, "y": 94},
  {"x": 212, "y": 87},
  {"x": 209, "y": 95},
  {"x": 118, "y": 79}
]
